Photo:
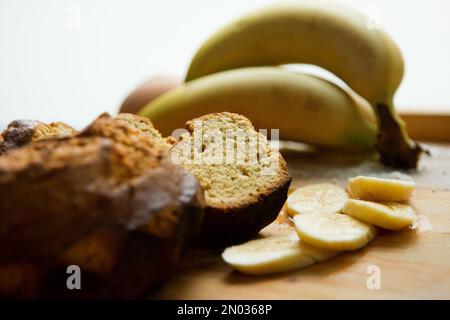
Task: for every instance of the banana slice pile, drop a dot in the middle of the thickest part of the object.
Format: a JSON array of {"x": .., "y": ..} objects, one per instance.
[
  {"x": 326, "y": 222},
  {"x": 389, "y": 213}
]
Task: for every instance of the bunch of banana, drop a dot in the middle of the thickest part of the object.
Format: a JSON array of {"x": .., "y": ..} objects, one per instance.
[
  {"x": 389, "y": 211},
  {"x": 322, "y": 33}
]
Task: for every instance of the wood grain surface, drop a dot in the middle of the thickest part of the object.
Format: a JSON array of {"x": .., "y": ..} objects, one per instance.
[
  {"x": 413, "y": 264},
  {"x": 428, "y": 126}
]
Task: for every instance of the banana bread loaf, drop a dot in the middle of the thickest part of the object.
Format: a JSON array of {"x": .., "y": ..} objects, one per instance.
[{"x": 109, "y": 200}]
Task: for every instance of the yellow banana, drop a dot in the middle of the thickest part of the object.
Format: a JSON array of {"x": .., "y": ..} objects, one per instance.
[
  {"x": 326, "y": 34},
  {"x": 303, "y": 107}
]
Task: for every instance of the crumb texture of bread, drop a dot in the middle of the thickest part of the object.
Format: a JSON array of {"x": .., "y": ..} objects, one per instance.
[
  {"x": 21, "y": 132},
  {"x": 133, "y": 152},
  {"x": 146, "y": 126},
  {"x": 52, "y": 130},
  {"x": 244, "y": 181}
]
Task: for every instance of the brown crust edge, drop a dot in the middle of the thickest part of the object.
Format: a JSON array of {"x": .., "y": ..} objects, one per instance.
[{"x": 223, "y": 227}]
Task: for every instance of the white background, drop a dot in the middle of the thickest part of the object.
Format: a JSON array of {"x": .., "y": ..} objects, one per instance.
[{"x": 52, "y": 70}]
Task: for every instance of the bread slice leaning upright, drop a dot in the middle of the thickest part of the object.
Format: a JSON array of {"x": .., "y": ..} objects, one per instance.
[{"x": 245, "y": 182}]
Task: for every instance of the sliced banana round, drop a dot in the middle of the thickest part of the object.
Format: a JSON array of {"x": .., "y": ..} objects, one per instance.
[
  {"x": 333, "y": 231},
  {"x": 317, "y": 198},
  {"x": 280, "y": 251},
  {"x": 387, "y": 215},
  {"x": 380, "y": 189}
]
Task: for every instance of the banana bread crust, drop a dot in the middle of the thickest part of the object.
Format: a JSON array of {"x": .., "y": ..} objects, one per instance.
[
  {"x": 227, "y": 226},
  {"x": 46, "y": 190}
]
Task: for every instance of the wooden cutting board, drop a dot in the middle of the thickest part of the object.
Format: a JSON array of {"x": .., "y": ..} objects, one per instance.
[{"x": 412, "y": 264}]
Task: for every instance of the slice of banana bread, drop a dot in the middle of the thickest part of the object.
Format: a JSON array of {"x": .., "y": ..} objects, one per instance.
[
  {"x": 245, "y": 182},
  {"x": 21, "y": 132}
]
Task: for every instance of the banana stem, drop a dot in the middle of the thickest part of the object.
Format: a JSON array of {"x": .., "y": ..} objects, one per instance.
[{"x": 395, "y": 147}]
